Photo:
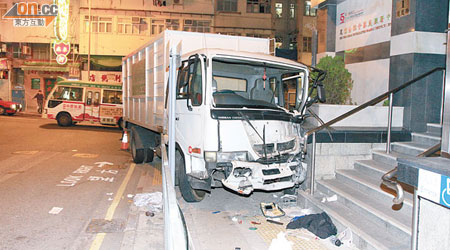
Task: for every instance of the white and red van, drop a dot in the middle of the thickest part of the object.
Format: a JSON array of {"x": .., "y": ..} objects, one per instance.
[{"x": 78, "y": 101}]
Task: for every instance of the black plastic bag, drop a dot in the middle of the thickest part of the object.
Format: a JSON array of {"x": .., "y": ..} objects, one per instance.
[{"x": 318, "y": 224}]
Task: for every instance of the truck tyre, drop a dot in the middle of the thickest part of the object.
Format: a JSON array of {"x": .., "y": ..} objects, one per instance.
[
  {"x": 64, "y": 120},
  {"x": 189, "y": 194},
  {"x": 136, "y": 153},
  {"x": 149, "y": 155},
  {"x": 2, "y": 110}
]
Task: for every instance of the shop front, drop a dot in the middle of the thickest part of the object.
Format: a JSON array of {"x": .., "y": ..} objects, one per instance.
[{"x": 5, "y": 75}]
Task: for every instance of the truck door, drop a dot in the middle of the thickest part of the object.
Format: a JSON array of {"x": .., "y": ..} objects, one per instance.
[
  {"x": 92, "y": 107},
  {"x": 190, "y": 110}
]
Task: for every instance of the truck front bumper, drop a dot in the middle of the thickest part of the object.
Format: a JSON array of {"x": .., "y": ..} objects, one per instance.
[{"x": 248, "y": 176}]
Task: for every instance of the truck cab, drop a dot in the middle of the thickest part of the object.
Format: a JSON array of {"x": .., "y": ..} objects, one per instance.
[{"x": 237, "y": 122}]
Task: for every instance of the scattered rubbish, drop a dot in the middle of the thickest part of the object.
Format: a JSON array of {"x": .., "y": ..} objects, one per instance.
[
  {"x": 151, "y": 201},
  {"x": 149, "y": 213},
  {"x": 318, "y": 224},
  {"x": 274, "y": 222},
  {"x": 130, "y": 196},
  {"x": 335, "y": 240},
  {"x": 235, "y": 219},
  {"x": 329, "y": 199},
  {"x": 252, "y": 228},
  {"x": 109, "y": 194},
  {"x": 297, "y": 217},
  {"x": 74, "y": 150},
  {"x": 215, "y": 212},
  {"x": 276, "y": 219},
  {"x": 275, "y": 196},
  {"x": 280, "y": 242},
  {"x": 55, "y": 210},
  {"x": 288, "y": 200},
  {"x": 110, "y": 199},
  {"x": 271, "y": 210},
  {"x": 346, "y": 237},
  {"x": 237, "y": 248},
  {"x": 296, "y": 211},
  {"x": 255, "y": 223}
]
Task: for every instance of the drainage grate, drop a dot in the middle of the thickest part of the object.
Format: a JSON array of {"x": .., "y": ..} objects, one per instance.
[{"x": 105, "y": 226}]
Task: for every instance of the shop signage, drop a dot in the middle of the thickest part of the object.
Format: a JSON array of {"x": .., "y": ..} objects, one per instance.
[
  {"x": 362, "y": 22},
  {"x": 61, "y": 46}
]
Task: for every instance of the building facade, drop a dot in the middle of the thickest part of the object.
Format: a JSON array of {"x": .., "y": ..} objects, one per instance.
[
  {"x": 109, "y": 30},
  {"x": 386, "y": 43}
]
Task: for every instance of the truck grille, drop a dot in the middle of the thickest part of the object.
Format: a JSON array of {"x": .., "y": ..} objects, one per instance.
[
  {"x": 259, "y": 148},
  {"x": 286, "y": 145}
]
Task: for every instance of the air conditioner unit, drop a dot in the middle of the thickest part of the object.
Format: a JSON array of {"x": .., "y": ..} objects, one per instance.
[{"x": 26, "y": 50}]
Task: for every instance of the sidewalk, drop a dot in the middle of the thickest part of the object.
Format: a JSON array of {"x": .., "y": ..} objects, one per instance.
[{"x": 142, "y": 231}]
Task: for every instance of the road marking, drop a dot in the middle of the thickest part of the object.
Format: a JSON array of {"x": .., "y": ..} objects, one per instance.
[
  {"x": 97, "y": 243},
  {"x": 85, "y": 155},
  {"x": 25, "y": 152}
]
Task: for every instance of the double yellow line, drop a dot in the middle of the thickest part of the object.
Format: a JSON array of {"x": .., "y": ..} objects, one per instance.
[{"x": 97, "y": 243}]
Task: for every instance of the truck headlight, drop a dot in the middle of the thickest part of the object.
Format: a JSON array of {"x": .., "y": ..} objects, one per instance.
[
  {"x": 231, "y": 156},
  {"x": 210, "y": 156},
  {"x": 13, "y": 106}
]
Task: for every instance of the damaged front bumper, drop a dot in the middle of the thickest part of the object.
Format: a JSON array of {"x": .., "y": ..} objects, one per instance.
[{"x": 248, "y": 176}]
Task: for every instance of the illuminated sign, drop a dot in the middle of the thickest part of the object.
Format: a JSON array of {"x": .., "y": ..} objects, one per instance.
[{"x": 60, "y": 46}]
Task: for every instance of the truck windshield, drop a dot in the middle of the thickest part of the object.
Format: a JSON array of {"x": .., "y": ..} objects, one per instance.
[{"x": 238, "y": 83}]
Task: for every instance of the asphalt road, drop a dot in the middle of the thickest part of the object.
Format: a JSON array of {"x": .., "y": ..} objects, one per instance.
[{"x": 53, "y": 184}]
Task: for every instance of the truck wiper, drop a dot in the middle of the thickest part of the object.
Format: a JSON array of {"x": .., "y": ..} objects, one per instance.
[{"x": 263, "y": 138}]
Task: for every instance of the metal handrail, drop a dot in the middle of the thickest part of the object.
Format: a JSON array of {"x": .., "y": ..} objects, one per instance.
[
  {"x": 386, "y": 177},
  {"x": 369, "y": 103}
]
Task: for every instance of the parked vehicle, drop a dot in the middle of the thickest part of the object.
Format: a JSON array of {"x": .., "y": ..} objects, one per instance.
[
  {"x": 77, "y": 101},
  {"x": 238, "y": 112},
  {"x": 9, "y": 108}
]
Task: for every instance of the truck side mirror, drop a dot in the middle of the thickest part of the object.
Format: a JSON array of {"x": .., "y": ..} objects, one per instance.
[{"x": 321, "y": 93}]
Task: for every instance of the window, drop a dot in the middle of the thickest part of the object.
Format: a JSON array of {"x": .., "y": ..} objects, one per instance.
[
  {"x": 197, "y": 25},
  {"x": 157, "y": 26},
  {"x": 278, "y": 10},
  {"x": 307, "y": 44},
  {"x": 140, "y": 25},
  {"x": 190, "y": 85},
  {"x": 40, "y": 51},
  {"x": 99, "y": 24},
  {"x": 112, "y": 96},
  {"x": 309, "y": 11},
  {"x": 173, "y": 24},
  {"x": 292, "y": 10},
  {"x": 17, "y": 51},
  {"x": 402, "y": 8},
  {"x": 124, "y": 25},
  {"x": 68, "y": 93},
  {"x": 228, "y": 83},
  {"x": 227, "y": 5},
  {"x": 258, "y": 6},
  {"x": 3, "y": 9}
]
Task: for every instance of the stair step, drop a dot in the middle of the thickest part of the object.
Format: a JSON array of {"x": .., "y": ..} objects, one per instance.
[
  {"x": 426, "y": 139},
  {"x": 372, "y": 186},
  {"x": 409, "y": 148},
  {"x": 388, "y": 159},
  {"x": 376, "y": 212},
  {"x": 372, "y": 167},
  {"x": 434, "y": 128}
]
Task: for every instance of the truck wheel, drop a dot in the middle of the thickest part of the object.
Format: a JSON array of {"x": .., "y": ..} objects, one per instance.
[
  {"x": 2, "y": 110},
  {"x": 64, "y": 120},
  {"x": 136, "y": 153},
  {"x": 189, "y": 194},
  {"x": 149, "y": 155}
]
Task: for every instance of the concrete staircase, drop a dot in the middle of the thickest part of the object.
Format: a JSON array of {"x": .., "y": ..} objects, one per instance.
[{"x": 365, "y": 205}]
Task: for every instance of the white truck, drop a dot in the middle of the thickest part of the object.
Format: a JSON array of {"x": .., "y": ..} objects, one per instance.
[{"x": 238, "y": 111}]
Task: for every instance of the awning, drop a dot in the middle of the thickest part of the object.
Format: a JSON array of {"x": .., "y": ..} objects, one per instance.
[{"x": 46, "y": 68}]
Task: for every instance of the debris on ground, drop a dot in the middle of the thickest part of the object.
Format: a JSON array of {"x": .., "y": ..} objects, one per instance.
[
  {"x": 274, "y": 222},
  {"x": 130, "y": 196},
  {"x": 215, "y": 212},
  {"x": 150, "y": 201},
  {"x": 318, "y": 224},
  {"x": 335, "y": 240},
  {"x": 252, "y": 228},
  {"x": 55, "y": 210},
  {"x": 346, "y": 237},
  {"x": 271, "y": 210},
  {"x": 296, "y": 211},
  {"x": 109, "y": 194},
  {"x": 288, "y": 200},
  {"x": 149, "y": 213},
  {"x": 329, "y": 199},
  {"x": 281, "y": 242}
]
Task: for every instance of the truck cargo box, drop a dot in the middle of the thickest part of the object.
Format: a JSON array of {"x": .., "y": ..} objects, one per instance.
[{"x": 145, "y": 71}]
